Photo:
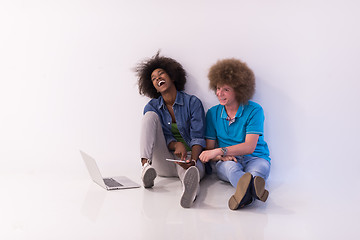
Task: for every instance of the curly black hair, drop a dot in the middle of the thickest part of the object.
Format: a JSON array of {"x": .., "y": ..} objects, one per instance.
[
  {"x": 237, "y": 75},
  {"x": 144, "y": 70}
]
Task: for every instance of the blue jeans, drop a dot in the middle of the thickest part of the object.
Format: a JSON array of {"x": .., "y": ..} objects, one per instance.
[{"x": 230, "y": 171}]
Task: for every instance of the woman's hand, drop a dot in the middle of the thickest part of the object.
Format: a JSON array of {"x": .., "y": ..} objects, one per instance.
[
  {"x": 180, "y": 150},
  {"x": 186, "y": 165}
]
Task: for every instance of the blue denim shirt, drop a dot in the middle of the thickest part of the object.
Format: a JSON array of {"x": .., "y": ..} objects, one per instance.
[{"x": 189, "y": 116}]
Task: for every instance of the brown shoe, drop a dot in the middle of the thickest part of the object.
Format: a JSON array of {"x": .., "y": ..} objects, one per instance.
[
  {"x": 259, "y": 189},
  {"x": 242, "y": 194}
]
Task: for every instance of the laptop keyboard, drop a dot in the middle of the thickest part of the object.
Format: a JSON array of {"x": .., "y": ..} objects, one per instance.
[{"x": 111, "y": 182}]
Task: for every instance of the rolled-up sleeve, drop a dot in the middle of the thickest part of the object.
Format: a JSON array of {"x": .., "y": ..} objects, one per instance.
[{"x": 197, "y": 122}]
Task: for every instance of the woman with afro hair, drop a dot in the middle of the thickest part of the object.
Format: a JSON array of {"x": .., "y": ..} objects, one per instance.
[
  {"x": 234, "y": 133},
  {"x": 173, "y": 127}
]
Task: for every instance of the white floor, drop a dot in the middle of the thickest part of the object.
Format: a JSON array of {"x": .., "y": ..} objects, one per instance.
[{"x": 76, "y": 208}]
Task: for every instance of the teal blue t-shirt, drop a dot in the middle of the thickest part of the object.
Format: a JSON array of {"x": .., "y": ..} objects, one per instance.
[{"x": 249, "y": 119}]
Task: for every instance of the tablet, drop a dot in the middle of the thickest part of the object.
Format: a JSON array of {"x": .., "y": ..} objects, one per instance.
[{"x": 175, "y": 160}]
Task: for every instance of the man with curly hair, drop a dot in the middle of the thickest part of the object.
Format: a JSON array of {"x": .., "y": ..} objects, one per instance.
[
  {"x": 236, "y": 126},
  {"x": 173, "y": 127}
]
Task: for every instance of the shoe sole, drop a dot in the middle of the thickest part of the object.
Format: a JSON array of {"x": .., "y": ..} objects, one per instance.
[
  {"x": 260, "y": 191},
  {"x": 240, "y": 192},
  {"x": 148, "y": 178},
  {"x": 191, "y": 183}
]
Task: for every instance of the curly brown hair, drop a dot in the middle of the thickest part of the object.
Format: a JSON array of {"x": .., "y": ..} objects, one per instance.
[
  {"x": 144, "y": 70},
  {"x": 237, "y": 75}
]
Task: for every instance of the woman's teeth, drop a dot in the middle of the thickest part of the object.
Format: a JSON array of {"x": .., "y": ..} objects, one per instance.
[{"x": 161, "y": 83}]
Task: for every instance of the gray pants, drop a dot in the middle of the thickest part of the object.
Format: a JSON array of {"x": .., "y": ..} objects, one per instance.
[{"x": 154, "y": 148}]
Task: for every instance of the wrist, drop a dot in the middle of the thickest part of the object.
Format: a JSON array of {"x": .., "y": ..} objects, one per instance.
[
  {"x": 177, "y": 145},
  {"x": 172, "y": 145},
  {"x": 224, "y": 151}
]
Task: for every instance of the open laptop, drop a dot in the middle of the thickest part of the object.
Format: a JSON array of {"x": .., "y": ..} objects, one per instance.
[{"x": 113, "y": 183}]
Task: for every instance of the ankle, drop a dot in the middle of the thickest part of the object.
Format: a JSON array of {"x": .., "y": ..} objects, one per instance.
[{"x": 144, "y": 160}]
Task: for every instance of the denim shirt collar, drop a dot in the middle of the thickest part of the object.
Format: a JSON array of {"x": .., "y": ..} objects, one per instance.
[
  {"x": 179, "y": 100},
  {"x": 238, "y": 113}
]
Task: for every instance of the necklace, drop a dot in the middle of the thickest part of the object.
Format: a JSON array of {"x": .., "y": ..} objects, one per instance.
[{"x": 231, "y": 120}]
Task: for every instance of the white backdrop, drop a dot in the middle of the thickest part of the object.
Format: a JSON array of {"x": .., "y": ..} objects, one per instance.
[{"x": 67, "y": 80}]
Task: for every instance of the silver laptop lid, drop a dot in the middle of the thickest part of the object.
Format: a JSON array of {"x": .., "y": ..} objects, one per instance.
[{"x": 93, "y": 169}]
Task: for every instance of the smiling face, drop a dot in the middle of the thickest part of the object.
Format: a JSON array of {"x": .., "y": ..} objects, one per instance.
[
  {"x": 161, "y": 80},
  {"x": 226, "y": 95}
]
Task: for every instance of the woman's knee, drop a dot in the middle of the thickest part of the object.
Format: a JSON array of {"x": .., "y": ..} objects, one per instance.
[
  {"x": 151, "y": 116},
  {"x": 150, "y": 120}
]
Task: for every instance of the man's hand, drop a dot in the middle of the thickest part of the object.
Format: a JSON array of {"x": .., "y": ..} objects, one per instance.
[
  {"x": 208, "y": 155},
  {"x": 228, "y": 158},
  {"x": 215, "y": 154}
]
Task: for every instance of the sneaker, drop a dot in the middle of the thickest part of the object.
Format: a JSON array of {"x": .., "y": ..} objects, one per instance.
[
  {"x": 190, "y": 187},
  {"x": 242, "y": 196},
  {"x": 259, "y": 191},
  {"x": 148, "y": 174}
]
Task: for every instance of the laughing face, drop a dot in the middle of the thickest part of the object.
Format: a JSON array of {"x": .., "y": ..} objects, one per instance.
[
  {"x": 226, "y": 95},
  {"x": 161, "y": 80}
]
